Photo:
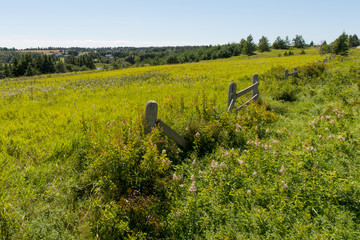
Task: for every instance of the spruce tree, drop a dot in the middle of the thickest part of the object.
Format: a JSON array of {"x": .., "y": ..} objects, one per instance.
[
  {"x": 249, "y": 47},
  {"x": 341, "y": 45},
  {"x": 264, "y": 45}
]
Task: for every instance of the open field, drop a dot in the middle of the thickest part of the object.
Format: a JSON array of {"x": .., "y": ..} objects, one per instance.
[{"x": 75, "y": 162}]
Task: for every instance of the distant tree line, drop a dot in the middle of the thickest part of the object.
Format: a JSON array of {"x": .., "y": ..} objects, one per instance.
[
  {"x": 35, "y": 64},
  {"x": 15, "y": 63}
]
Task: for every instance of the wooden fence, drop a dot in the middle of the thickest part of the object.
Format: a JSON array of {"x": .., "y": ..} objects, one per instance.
[
  {"x": 152, "y": 121},
  {"x": 287, "y": 74},
  {"x": 233, "y": 95},
  {"x": 152, "y": 107}
]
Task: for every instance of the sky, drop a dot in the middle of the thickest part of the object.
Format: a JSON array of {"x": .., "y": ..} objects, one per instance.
[{"x": 143, "y": 23}]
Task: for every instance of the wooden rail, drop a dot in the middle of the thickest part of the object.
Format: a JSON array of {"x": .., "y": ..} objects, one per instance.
[
  {"x": 287, "y": 74},
  {"x": 233, "y": 95},
  {"x": 152, "y": 121}
]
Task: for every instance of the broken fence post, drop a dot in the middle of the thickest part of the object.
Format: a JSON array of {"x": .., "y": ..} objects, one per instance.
[
  {"x": 286, "y": 74},
  {"x": 152, "y": 121},
  {"x": 150, "y": 115}
]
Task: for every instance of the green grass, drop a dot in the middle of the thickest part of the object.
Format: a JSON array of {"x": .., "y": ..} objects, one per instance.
[{"x": 75, "y": 163}]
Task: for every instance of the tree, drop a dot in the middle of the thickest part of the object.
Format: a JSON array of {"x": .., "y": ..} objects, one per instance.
[
  {"x": 311, "y": 44},
  {"x": 249, "y": 47},
  {"x": 324, "y": 48},
  {"x": 299, "y": 42},
  {"x": 264, "y": 45},
  {"x": 280, "y": 43},
  {"x": 354, "y": 41},
  {"x": 241, "y": 45},
  {"x": 341, "y": 45}
]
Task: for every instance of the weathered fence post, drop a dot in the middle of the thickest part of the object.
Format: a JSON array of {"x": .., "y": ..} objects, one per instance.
[
  {"x": 286, "y": 74},
  {"x": 150, "y": 115},
  {"x": 255, "y": 92},
  {"x": 231, "y": 96}
]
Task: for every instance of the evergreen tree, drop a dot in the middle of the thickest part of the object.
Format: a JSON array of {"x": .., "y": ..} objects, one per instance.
[
  {"x": 280, "y": 43},
  {"x": 299, "y": 42},
  {"x": 354, "y": 41},
  {"x": 324, "y": 48},
  {"x": 264, "y": 45},
  {"x": 311, "y": 44},
  {"x": 341, "y": 45},
  {"x": 242, "y": 45},
  {"x": 249, "y": 47}
]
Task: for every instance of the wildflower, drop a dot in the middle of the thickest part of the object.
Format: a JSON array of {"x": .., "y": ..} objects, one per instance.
[
  {"x": 256, "y": 128},
  {"x": 284, "y": 184},
  {"x": 331, "y": 136},
  {"x": 326, "y": 129},
  {"x": 194, "y": 162},
  {"x": 193, "y": 188},
  {"x": 319, "y": 136},
  {"x": 267, "y": 131},
  {"x": 197, "y": 135},
  {"x": 275, "y": 153},
  {"x": 275, "y": 141},
  {"x": 163, "y": 151},
  {"x": 248, "y": 192},
  {"x": 223, "y": 165},
  {"x": 166, "y": 161},
  {"x": 341, "y": 138},
  {"x": 226, "y": 154},
  {"x": 322, "y": 118},
  {"x": 328, "y": 117},
  {"x": 201, "y": 172},
  {"x": 254, "y": 174},
  {"x": 279, "y": 132},
  {"x": 192, "y": 177},
  {"x": 177, "y": 214},
  {"x": 267, "y": 147},
  {"x": 311, "y": 149},
  {"x": 246, "y": 151},
  {"x": 282, "y": 169},
  {"x": 175, "y": 178},
  {"x": 332, "y": 121},
  {"x": 214, "y": 165},
  {"x": 250, "y": 142},
  {"x": 241, "y": 162}
]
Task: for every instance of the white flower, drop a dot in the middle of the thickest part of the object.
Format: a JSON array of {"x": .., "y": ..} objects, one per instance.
[
  {"x": 248, "y": 192},
  {"x": 341, "y": 138},
  {"x": 163, "y": 151},
  {"x": 201, "y": 172},
  {"x": 254, "y": 174},
  {"x": 192, "y": 177},
  {"x": 241, "y": 162},
  {"x": 267, "y": 131},
  {"x": 223, "y": 165},
  {"x": 282, "y": 169},
  {"x": 175, "y": 178},
  {"x": 193, "y": 188},
  {"x": 197, "y": 135},
  {"x": 275, "y": 141},
  {"x": 194, "y": 162},
  {"x": 166, "y": 161},
  {"x": 214, "y": 165}
]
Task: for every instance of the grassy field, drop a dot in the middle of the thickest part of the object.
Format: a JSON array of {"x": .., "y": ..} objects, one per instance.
[{"x": 75, "y": 163}]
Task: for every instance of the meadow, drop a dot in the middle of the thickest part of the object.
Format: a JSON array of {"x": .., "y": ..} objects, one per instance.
[{"x": 76, "y": 164}]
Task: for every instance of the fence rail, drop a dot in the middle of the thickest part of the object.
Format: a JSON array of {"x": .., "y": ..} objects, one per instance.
[{"x": 233, "y": 95}]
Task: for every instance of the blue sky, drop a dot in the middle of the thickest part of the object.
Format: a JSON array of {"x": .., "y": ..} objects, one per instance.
[{"x": 40, "y": 23}]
